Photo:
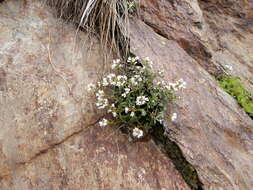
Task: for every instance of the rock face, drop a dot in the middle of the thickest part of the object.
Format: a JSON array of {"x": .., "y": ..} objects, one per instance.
[
  {"x": 49, "y": 139},
  {"x": 216, "y": 33},
  {"x": 192, "y": 39},
  {"x": 215, "y": 135}
]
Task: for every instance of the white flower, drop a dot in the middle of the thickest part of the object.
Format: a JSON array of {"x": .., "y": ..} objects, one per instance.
[
  {"x": 103, "y": 123},
  {"x": 138, "y": 78},
  {"x": 141, "y": 100},
  {"x": 161, "y": 73},
  {"x": 168, "y": 87},
  {"x": 100, "y": 93},
  {"x": 151, "y": 64},
  {"x": 229, "y": 67},
  {"x": 114, "y": 65},
  {"x": 133, "y": 81},
  {"x": 105, "y": 82},
  {"x": 112, "y": 79},
  {"x": 126, "y": 109},
  {"x": 132, "y": 114},
  {"x": 111, "y": 76},
  {"x": 114, "y": 114},
  {"x": 102, "y": 103},
  {"x": 163, "y": 83},
  {"x": 121, "y": 80},
  {"x": 116, "y": 61},
  {"x": 138, "y": 133},
  {"x": 171, "y": 86},
  {"x": 174, "y": 117},
  {"x": 127, "y": 90},
  {"x": 147, "y": 59},
  {"x": 160, "y": 121},
  {"x": 91, "y": 86},
  {"x": 181, "y": 84},
  {"x": 132, "y": 59},
  {"x": 113, "y": 105}
]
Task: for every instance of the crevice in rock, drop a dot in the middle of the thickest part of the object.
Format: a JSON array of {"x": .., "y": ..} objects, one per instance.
[
  {"x": 172, "y": 150},
  {"x": 55, "y": 144},
  {"x": 50, "y": 147},
  {"x": 196, "y": 50}
]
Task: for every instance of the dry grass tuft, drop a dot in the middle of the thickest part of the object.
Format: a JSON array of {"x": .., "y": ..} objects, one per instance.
[{"x": 102, "y": 17}]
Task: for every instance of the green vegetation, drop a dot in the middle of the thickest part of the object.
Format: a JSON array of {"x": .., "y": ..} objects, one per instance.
[
  {"x": 104, "y": 18},
  {"x": 128, "y": 95},
  {"x": 234, "y": 87},
  {"x": 132, "y": 98}
]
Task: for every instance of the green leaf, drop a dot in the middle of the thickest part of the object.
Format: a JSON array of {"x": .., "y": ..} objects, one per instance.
[{"x": 143, "y": 112}]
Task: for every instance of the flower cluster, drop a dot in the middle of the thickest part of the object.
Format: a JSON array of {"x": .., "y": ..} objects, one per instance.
[
  {"x": 141, "y": 100},
  {"x": 131, "y": 97},
  {"x": 135, "y": 79},
  {"x": 102, "y": 102},
  {"x": 138, "y": 133},
  {"x": 178, "y": 85},
  {"x": 103, "y": 123}
]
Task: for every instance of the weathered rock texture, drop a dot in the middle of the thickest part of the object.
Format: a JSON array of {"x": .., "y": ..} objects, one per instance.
[
  {"x": 215, "y": 135},
  {"x": 48, "y": 134},
  {"x": 192, "y": 39},
  {"x": 216, "y": 33}
]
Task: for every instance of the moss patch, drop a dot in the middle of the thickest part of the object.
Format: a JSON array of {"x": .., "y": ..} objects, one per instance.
[
  {"x": 234, "y": 87},
  {"x": 187, "y": 171}
]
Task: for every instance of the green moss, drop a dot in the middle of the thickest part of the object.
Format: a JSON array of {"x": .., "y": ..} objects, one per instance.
[
  {"x": 234, "y": 87},
  {"x": 187, "y": 171}
]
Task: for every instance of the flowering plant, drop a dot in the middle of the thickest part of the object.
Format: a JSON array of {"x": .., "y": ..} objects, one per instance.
[{"x": 130, "y": 95}]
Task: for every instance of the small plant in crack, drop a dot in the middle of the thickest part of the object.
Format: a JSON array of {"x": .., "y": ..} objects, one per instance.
[
  {"x": 134, "y": 96},
  {"x": 234, "y": 87}
]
